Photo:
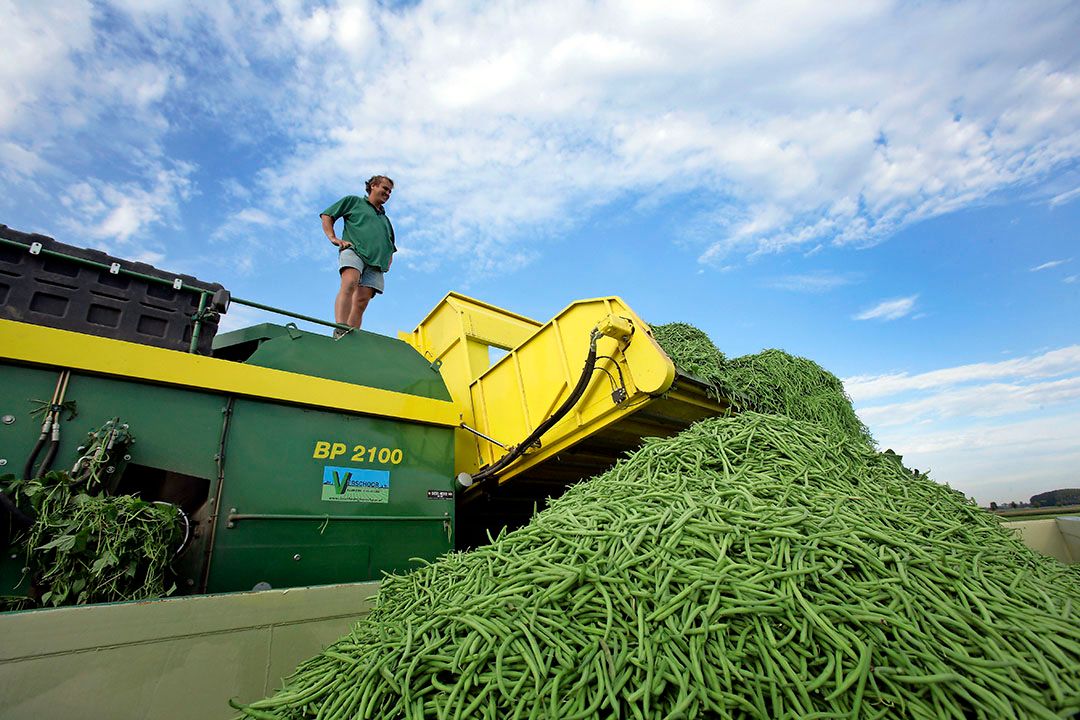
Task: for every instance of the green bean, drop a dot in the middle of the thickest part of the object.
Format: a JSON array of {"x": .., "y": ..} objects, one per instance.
[{"x": 752, "y": 566}]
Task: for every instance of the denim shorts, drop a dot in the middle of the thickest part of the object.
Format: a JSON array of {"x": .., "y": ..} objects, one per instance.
[{"x": 370, "y": 276}]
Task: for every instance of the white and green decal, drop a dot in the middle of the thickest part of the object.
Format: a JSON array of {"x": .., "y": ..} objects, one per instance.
[{"x": 342, "y": 484}]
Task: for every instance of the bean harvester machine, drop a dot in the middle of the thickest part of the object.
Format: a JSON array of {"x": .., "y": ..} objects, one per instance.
[{"x": 302, "y": 460}]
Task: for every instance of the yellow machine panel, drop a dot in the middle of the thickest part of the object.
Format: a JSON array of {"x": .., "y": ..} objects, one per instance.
[{"x": 632, "y": 391}]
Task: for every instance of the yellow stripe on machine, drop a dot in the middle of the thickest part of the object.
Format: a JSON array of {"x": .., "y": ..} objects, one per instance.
[{"x": 34, "y": 344}]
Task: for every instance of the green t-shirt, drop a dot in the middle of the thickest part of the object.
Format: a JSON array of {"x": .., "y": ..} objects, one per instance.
[{"x": 367, "y": 228}]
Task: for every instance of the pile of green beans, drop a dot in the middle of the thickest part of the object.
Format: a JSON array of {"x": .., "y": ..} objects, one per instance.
[
  {"x": 775, "y": 382},
  {"x": 690, "y": 349},
  {"x": 753, "y": 566},
  {"x": 771, "y": 381}
]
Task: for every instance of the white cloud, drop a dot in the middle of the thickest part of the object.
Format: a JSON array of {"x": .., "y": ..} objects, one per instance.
[
  {"x": 120, "y": 215},
  {"x": 797, "y": 125},
  {"x": 994, "y": 462},
  {"x": 889, "y": 309},
  {"x": 813, "y": 282},
  {"x": 1054, "y": 363},
  {"x": 39, "y": 39},
  {"x": 247, "y": 228},
  {"x": 18, "y": 160},
  {"x": 1050, "y": 264},
  {"x": 1064, "y": 197},
  {"x": 1070, "y": 279},
  {"x": 999, "y": 431},
  {"x": 254, "y": 216},
  {"x": 235, "y": 190},
  {"x": 981, "y": 401}
]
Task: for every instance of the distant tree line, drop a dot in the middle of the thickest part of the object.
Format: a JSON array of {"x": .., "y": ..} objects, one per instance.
[{"x": 1053, "y": 498}]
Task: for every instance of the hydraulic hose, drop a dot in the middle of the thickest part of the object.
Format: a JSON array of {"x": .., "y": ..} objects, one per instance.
[
  {"x": 18, "y": 515},
  {"x": 575, "y": 395},
  {"x": 28, "y": 468},
  {"x": 52, "y": 422},
  {"x": 54, "y": 445}
]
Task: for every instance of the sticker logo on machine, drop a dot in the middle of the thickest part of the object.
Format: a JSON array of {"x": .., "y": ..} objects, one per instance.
[{"x": 342, "y": 484}]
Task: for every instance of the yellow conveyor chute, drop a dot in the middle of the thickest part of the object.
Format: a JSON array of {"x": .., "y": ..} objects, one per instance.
[{"x": 634, "y": 390}]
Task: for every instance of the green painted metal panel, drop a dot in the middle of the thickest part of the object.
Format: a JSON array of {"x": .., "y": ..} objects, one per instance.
[
  {"x": 175, "y": 429},
  {"x": 22, "y": 389},
  {"x": 281, "y": 516},
  {"x": 308, "y": 497},
  {"x": 167, "y": 659},
  {"x": 360, "y": 357}
]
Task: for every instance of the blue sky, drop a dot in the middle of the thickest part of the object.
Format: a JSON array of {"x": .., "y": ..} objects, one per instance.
[{"x": 890, "y": 189}]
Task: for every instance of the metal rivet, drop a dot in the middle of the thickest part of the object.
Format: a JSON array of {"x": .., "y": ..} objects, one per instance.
[
  {"x": 296, "y": 557},
  {"x": 8, "y": 419},
  {"x": 230, "y": 525},
  {"x": 3, "y": 462}
]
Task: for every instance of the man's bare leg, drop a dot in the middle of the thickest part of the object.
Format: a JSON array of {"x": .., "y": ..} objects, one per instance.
[
  {"x": 343, "y": 304},
  {"x": 361, "y": 297}
]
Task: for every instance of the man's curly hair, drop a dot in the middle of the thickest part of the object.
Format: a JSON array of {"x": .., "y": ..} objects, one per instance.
[{"x": 374, "y": 179}]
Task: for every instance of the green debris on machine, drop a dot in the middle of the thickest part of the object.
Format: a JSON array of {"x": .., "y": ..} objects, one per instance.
[
  {"x": 752, "y": 566},
  {"x": 87, "y": 548}
]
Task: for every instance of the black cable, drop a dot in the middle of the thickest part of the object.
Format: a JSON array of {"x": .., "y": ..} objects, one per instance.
[
  {"x": 622, "y": 380},
  {"x": 611, "y": 378},
  {"x": 28, "y": 468},
  {"x": 54, "y": 445},
  {"x": 18, "y": 515},
  {"x": 52, "y": 421},
  {"x": 575, "y": 395}
]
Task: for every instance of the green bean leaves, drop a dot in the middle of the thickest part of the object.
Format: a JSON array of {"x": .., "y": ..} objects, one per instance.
[
  {"x": 86, "y": 548},
  {"x": 750, "y": 567}
]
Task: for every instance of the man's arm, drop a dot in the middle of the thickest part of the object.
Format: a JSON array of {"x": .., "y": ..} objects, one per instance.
[
  {"x": 328, "y": 229},
  {"x": 393, "y": 244}
]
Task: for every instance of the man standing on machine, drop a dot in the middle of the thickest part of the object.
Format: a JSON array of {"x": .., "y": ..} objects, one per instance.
[{"x": 365, "y": 250}]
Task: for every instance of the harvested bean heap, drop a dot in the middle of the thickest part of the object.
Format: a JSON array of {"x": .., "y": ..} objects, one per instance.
[
  {"x": 751, "y": 567},
  {"x": 771, "y": 381},
  {"x": 691, "y": 350}
]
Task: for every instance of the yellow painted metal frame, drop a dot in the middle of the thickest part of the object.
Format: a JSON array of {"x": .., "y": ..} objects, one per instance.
[
  {"x": 457, "y": 335},
  {"x": 34, "y": 344},
  {"x": 512, "y": 397},
  {"x": 517, "y": 393}
]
